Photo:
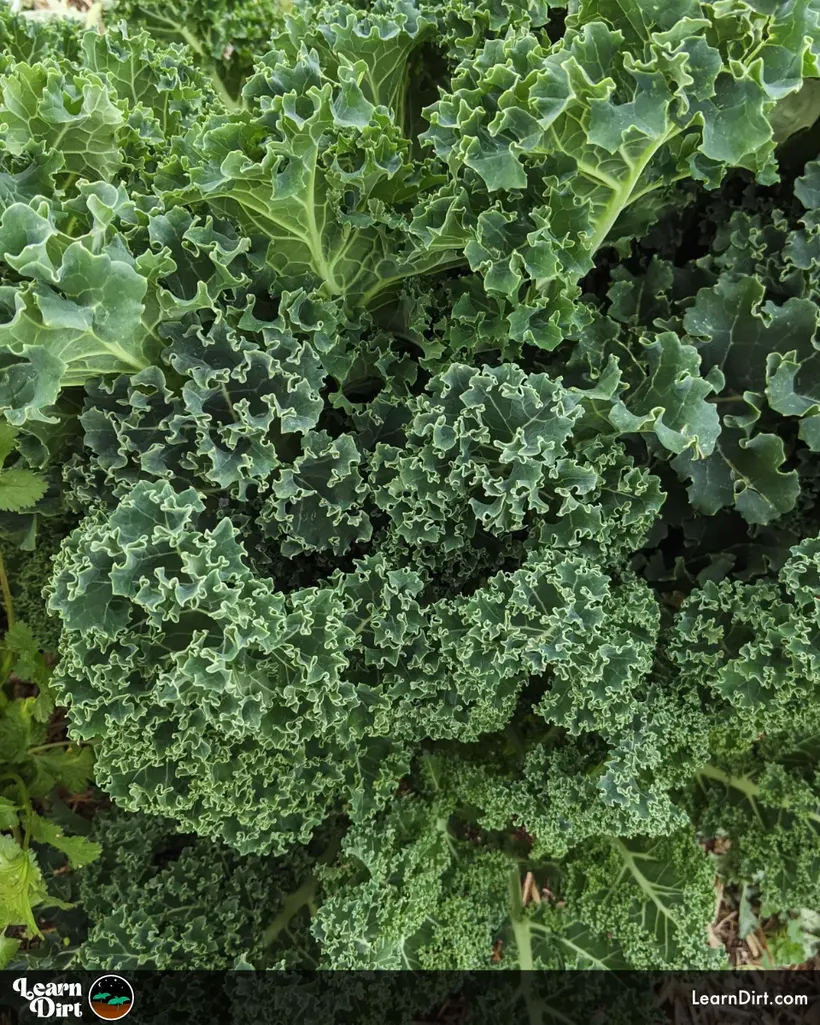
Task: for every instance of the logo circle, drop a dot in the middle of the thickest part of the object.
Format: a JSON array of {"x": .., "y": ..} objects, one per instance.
[{"x": 111, "y": 997}]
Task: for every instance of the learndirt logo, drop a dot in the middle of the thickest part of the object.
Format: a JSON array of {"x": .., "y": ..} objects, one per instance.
[
  {"x": 51, "y": 999},
  {"x": 110, "y": 997}
]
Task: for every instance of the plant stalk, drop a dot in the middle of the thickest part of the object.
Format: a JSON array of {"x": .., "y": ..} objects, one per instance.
[{"x": 8, "y": 604}]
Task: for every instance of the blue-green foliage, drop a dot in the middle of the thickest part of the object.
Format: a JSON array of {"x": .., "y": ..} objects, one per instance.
[
  {"x": 164, "y": 901},
  {"x": 450, "y": 599}
]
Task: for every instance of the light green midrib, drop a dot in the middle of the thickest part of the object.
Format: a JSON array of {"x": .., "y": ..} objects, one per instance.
[
  {"x": 293, "y": 903},
  {"x": 597, "y": 963},
  {"x": 312, "y": 241},
  {"x": 188, "y": 36},
  {"x": 315, "y": 244},
  {"x": 748, "y": 788},
  {"x": 446, "y": 262},
  {"x": 622, "y": 197},
  {"x": 599, "y": 177},
  {"x": 643, "y": 883},
  {"x": 86, "y": 370},
  {"x": 325, "y": 268},
  {"x": 520, "y": 926}
]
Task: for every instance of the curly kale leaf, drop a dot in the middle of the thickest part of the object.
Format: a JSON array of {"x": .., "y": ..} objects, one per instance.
[
  {"x": 160, "y": 900},
  {"x": 751, "y": 645},
  {"x": 415, "y": 891},
  {"x": 351, "y": 671}
]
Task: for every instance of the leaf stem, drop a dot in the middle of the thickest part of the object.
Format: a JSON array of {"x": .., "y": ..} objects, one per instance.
[
  {"x": 48, "y": 747},
  {"x": 24, "y": 808},
  {"x": 290, "y": 905},
  {"x": 219, "y": 86},
  {"x": 520, "y": 926},
  {"x": 623, "y": 196},
  {"x": 748, "y": 787},
  {"x": 222, "y": 90},
  {"x": 8, "y": 604}
]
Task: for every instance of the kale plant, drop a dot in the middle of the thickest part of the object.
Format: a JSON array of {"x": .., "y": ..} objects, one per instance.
[{"x": 430, "y": 394}]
